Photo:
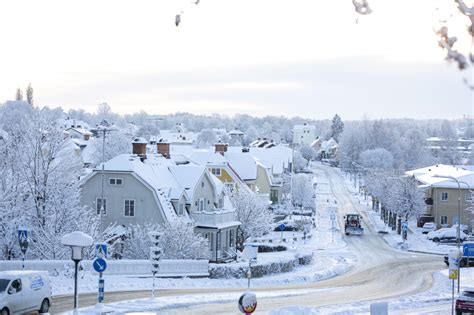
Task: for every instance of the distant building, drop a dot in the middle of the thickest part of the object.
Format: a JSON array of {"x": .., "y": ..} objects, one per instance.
[{"x": 304, "y": 134}]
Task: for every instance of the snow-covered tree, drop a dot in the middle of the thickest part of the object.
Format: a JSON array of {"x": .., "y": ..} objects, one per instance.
[
  {"x": 308, "y": 152},
  {"x": 337, "y": 127},
  {"x": 407, "y": 198},
  {"x": 253, "y": 213},
  {"x": 378, "y": 158},
  {"x": 302, "y": 191},
  {"x": 178, "y": 241},
  {"x": 19, "y": 95},
  {"x": 29, "y": 94},
  {"x": 299, "y": 162},
  {"x": 116, "y": 143},
  {"x": 206, "y": 138}
]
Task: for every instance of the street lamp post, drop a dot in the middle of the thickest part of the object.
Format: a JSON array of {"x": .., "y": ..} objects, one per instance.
[
  {"x": 458, "y": 230},
  {"x": 77, "y": 241}
]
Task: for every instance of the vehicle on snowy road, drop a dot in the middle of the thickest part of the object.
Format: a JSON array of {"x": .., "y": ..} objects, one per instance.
[
  {"x": 23, "y": 291},
  {"x": 465, "y": 302},
  {"x": 352, "y": 224},
  {"x": 465, "y": 261}
]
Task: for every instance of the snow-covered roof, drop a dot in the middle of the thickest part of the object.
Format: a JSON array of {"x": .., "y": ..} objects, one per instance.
[
  {"x": 316, "y": 141},
  {"x": 276, "y": 158},
  {"x": 429, "y": 176},
  {"x": 82, "y": 131},
  {"x": 243, "y": 163},
  {"x": 305, "y": 126},
  {"x": 178, "y": 137},
  {"x": 204, "y": 157},
  {"x": 236, "y": 132}
]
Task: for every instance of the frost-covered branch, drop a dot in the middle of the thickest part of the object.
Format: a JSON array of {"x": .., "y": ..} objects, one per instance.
[{"x": 361, "y": 7}]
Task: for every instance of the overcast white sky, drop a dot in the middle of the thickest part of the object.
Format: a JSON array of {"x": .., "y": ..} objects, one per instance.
[{"x": 280, "y": 57}]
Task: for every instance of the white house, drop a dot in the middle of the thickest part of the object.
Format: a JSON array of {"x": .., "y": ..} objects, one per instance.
[{"x": 304, "y": 134}]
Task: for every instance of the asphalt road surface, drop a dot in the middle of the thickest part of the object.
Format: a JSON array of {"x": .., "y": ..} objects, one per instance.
[{"x": 381, "y": 272}]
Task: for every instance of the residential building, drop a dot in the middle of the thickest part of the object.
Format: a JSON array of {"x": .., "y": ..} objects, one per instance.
[
  {"x": 145, "y": 188},
  {"x": 441, "y": 194},
  {"x": 304, "y": 134}
]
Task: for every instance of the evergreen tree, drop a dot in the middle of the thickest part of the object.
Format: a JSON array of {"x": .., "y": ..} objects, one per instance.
[
  {"x": 29, "y": 94},
  {"x": 19, "y": 95},
  {"x": 337, "y": 127}
]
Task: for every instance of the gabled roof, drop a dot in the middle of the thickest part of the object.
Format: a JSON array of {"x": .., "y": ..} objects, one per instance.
[
  {"x": 429, "y": 176},
  {"x": 243, "y": 163}
]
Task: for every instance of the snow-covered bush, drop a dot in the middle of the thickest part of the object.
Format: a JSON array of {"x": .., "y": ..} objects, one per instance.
[
  {"x": 178, "y": 241},
  {"x": 302, "y": 191}
]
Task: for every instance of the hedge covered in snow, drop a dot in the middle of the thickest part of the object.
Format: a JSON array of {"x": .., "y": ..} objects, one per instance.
[{"x": 239, "y": 270}]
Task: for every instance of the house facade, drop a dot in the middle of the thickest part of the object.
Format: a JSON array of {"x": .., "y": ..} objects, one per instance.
[
  {"x": 442, "y": 193},
  {"x": 142, "y": 188},
  {"x": 304, "y": 134}
]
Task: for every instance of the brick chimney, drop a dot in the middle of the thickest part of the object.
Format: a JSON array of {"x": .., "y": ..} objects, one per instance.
[
  {"x": 139, "y": 147},
  {"x": 163, "y": 147},
  {"x": 221, "y": 148}
]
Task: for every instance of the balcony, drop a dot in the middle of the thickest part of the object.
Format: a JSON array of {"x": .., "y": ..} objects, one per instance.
[{"x": 217, "y": 219}]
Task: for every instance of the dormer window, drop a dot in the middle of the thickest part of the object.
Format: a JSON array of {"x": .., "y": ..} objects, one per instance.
[
  {"x": 221, "y": 203},
  {"x": 115, "y": 181}
]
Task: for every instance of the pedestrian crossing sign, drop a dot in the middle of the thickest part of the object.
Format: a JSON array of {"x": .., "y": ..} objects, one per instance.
[{"x": 101, "y": 250}]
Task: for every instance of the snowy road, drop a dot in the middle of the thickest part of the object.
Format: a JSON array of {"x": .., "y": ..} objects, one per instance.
[{"x": 381, "y": 272}]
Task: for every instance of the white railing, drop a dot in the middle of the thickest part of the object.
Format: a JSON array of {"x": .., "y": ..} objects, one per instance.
[
  {"x": 168, "y": 267},
  {"x": 217, "y": 217}
]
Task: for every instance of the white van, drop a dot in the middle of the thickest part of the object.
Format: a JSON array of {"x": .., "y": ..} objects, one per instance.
[{"x": 24, "y": 291}]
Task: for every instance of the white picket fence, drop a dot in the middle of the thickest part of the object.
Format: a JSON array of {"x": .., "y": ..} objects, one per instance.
[{"x": 168, "y": 267}]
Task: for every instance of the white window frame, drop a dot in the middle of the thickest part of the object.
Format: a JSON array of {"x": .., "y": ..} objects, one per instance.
[
  {"x": 129, "y": 208},
  {"x": 115, "y": 179},
  {"x": 444, "y": 193},
  {"x": 97, "y": 209},
  {"x": 441, "y": 220},
  {"x": 468, "y": 197},
  {"x": 217, "y": 172},
  {"x": 220, "y": 203},
  {"x": 201, "y": 204},
  {"x": 180, "y": 209}
]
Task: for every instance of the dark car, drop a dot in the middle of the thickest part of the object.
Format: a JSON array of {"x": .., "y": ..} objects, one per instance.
[
  {"x": 465, "y": 302},
  {"x": 465, "y": 261}
]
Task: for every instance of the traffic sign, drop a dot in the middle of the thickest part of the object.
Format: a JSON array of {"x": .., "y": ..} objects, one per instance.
[
  {"x": 332, "y": 216},
  {"x": 99, "y": 265},
  {"x": 405, "y": 226},
  {"x": 247, "y": 303},
  {"x": 22, "y": 235},
  {"x": 468, "y": 249},
  {"x": 101, "y": 250},
  {"x": 282, "y": 227}
]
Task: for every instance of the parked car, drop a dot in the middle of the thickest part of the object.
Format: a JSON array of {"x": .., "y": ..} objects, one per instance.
[
  {"x": 433, "y": 234},
  {"x": 464, "y": 228},
  {"x": 465, "y": 302},
  {"x": 449, "y": 235},
  {"x": 428, "y": 227},
  {"x": 465, "y": 261},
  {"x": 24, "y": 291}
]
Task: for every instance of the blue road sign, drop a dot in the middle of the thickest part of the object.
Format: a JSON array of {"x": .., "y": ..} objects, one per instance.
[
  {"x": 101, "y": 250},
  {"x": 22, "y": 235},
  {"x": 468, "y": 249},
  {"x": 99, "y": 265},
  {"x": 405, "y": 226},
  {"x": 282, "y": 227}
]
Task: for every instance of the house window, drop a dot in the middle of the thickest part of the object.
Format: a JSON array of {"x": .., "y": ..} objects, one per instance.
[
  {"x": 229, "y": 186},
  {"x": 468, "y": 197},
  {"x": 129, "y": 208},
  {"x": 202, "y": 184},
  {"x": 98, "y": 205},
  {"x": 444, "y": 220},
  {"x": 115, "y": 181},
  {"x": 180, "y": 209},
  {"x": 216, "y": 171},
  {"x": 231, "y": 238},
  {"x": 221, "y": 203},
  {"x": 201, "y": 204},
  {"x": 444, "y": 196}
]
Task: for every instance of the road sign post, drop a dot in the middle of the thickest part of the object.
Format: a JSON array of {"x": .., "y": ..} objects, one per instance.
[
  {"x": 155, "y": 256},
  {"x": 281, "y": 227},
  {"x": 404, "y": 231},
  {"x": 23, "y": 240},
  {"x": 99, "y": 265},
  {"x": 454, "y": 259}
]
